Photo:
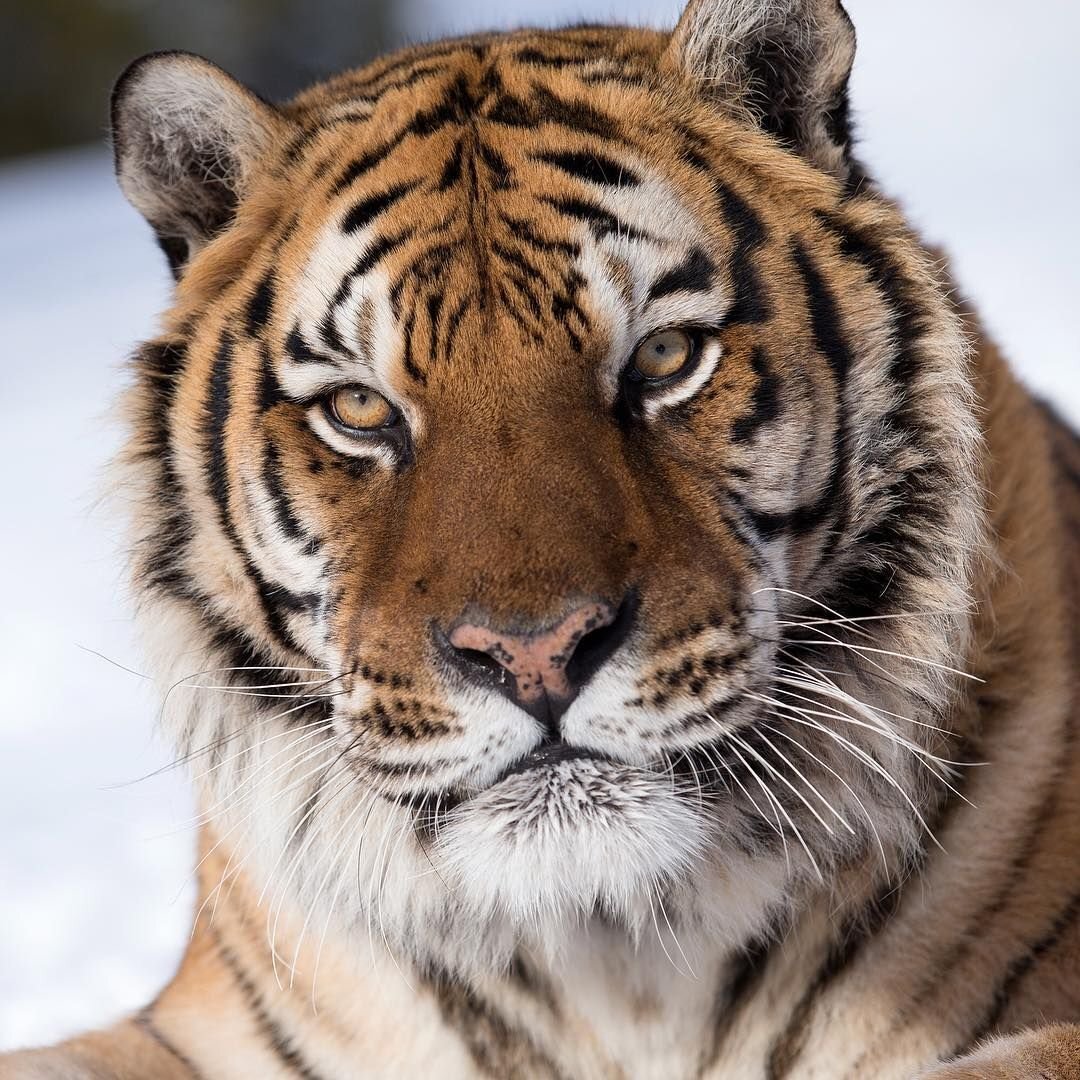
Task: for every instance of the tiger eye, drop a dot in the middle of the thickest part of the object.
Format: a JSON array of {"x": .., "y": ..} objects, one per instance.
[
  {"x": 664, "y": 354},
  {"x": 360, "y": 408}
]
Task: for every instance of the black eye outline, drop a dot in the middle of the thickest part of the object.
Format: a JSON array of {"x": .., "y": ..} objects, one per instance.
[
  {"x": 696, "y": 336},
  {"x": 326, "y": 401},
  {"x": 636, "y": 385},
  {"x": 393, "y": 433}
]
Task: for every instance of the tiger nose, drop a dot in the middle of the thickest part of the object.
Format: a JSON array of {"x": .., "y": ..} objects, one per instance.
[{"x": 544, "y": 671}]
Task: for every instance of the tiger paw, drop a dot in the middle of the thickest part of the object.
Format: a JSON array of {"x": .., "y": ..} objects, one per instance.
[{"x": 1050, "y": 1053}]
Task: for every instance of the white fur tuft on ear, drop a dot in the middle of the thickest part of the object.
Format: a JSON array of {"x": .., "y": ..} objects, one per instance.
[
  {"x": 783, "y": 63},
  {"x": 187, "y": 139}
]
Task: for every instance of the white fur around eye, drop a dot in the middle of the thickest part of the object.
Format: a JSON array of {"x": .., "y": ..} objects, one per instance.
[
  {"x": 654, "y": 402},
  {"x": 360, "y": 447}
]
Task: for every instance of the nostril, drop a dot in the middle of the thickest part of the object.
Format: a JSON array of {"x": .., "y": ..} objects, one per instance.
[
  {"x": 480, "y": 659},
  {"x": 549, "y": 665},
  {"x": 596, "y": 647}
]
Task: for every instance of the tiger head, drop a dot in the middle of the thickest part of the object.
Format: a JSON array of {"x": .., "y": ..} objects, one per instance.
[{"x": 559, "y": 464}]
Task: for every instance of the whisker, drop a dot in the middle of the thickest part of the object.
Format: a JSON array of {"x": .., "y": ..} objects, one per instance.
[
  {"x": 862, "y": 806},
  {"x": 780, "y": 806}
]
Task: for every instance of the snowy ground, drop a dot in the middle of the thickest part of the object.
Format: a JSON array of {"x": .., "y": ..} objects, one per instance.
[{"x": 969, "y": 113}]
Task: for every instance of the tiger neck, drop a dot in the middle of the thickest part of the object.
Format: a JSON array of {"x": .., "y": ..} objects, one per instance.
[{"x": 604, "y": 1005}]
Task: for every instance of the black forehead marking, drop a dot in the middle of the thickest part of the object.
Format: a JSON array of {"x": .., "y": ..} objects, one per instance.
[
  {"x": 696, "y": 274},
  {"x": 367, "y": 210},
  {"x": 472, "y": 103},
  {"x": 592, "y": 167}
]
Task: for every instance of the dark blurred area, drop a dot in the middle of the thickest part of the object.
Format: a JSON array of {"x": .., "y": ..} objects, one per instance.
[{"x": 61, "y": 57}]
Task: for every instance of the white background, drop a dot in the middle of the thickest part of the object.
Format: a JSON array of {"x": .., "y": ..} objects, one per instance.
[{"x": 969, "y": 112}]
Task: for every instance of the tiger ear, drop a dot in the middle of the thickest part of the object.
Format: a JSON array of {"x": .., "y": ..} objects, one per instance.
[
  {"x": 187, "y": 140},
  {"x": 786, "y": 63}
]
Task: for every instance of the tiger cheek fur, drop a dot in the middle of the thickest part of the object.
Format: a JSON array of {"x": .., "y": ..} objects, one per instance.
[{"x": 566, "y": 475}]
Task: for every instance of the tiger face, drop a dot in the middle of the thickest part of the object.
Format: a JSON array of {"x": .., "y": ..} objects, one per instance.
[{"x": 578, "y": 450}]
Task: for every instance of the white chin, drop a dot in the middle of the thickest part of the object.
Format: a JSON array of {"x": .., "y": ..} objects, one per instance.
[{"x": 578, "y": 836}]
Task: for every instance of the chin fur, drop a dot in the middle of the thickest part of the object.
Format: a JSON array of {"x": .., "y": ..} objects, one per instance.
[{"x": 575, "y": 838}]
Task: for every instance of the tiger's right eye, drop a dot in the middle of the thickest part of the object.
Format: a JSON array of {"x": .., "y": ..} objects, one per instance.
[
  {"x": 359, "y": 408},
  {"x": 663, "y": 355}
]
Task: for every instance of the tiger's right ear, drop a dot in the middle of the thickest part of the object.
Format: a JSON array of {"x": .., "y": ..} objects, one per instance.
[{"x": 187, "y": 140}]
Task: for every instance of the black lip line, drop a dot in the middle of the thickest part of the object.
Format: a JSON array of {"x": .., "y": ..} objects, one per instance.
[{"x": 550, "y": 754}]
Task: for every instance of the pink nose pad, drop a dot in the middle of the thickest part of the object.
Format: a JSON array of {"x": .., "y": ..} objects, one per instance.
[{"x": 536, "y": 661}]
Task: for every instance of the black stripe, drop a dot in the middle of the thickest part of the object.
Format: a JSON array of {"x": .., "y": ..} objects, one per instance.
[
  {"x": 145, "y": 1022},
  {"x": 261, "y": 305},
  {"x": 765, "y": 406},
  {"x": 517, "y": 260},
  {"x": 451, "y": 172},
  {"x": 385, "y": 245},
  {"x": 375, "y": 253},
  {"x": 286, "y": 517},
  {"x": 916, "y": 497},
  {"x": 740, "y": 981},
  {"x": 1020, "y": 967},
  {"x": 498, "y": 1048},
  {"x": 565, "y": 304},
  {"x": 824, "y": 314},
  {"x": 300, "y": 352},
  {"x": 280, "y": 1042},
  {"x": 162, "y": 556},
  {"x": 544, "y": 107},
  {"x": 408, "y": 362},
  {"x": 694, "y": 274},
  {"x": 218, "y": 409},
  {"x": 371, "y": 90},
  {"x": 750, "y": 305},
  {"x": 270, "y": 392},
  {"x": 272, "y": 596},
  {"x": 802, "y": 519},
  {"x": 602, "y": 222},
  {"x": 502, "y": 175},
  {"x": 592, "y": 167},
  {"x": 525, "y": 231},
  {"x": 910, "y": 320},
  {"x": 365, "y": 211},
  {"x": 536, "y": 58},
  {"x": 829, "y": 341},
  {"x": 244, "y": 657},
  {"x": 454, "y": 108},
  {"x": 434, "y": 311},
  {"x": 431, "y": 265},
  {"x": 522, "y": 286},
  {"x": 453, "y": 324},
  {"x": 361, "y": 165},
  {"x": 361, "y": 82},
  {"x": 788, "y": 1045}
]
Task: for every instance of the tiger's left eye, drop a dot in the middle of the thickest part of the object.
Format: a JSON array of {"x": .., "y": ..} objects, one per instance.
[
  {"x": 662, "y": 355},
  {"x": 360, "y": 408}
]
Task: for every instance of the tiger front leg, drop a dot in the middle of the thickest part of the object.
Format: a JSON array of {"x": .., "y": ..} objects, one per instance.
[{"x": 1049, "y": 1053}]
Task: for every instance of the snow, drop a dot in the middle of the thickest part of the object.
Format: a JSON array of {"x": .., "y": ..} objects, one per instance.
[{"x": 969, "y": 115}]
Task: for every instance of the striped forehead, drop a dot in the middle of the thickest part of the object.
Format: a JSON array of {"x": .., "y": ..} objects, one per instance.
[{"x": 597, "y": 245}]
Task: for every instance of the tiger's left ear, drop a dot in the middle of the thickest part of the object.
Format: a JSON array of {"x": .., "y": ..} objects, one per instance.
[{"x": 783, "y": 63}]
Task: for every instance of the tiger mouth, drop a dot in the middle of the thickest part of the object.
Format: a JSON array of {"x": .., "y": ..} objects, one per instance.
[
  {"x": 428, "y": 806},
  {"x": 546, "y": 756}
]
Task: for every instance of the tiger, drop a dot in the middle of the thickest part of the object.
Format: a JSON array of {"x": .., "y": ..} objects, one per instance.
[{"x": 616, "y": 605}]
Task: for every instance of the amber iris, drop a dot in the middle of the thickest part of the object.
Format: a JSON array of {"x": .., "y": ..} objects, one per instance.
[
  {"x": 664, "y": 354},
  {"x": 360, "y": 408}
]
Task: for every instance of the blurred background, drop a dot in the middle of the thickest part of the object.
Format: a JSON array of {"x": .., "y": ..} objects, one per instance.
[{"x": 968, "y": 112}]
